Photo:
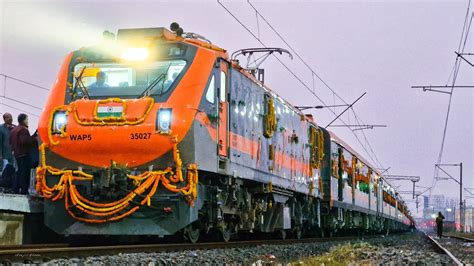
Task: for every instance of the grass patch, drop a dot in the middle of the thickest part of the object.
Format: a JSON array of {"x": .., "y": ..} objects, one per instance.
[
  {"x": 468, "y": 235},
  {"x": 339, "y": 255}
]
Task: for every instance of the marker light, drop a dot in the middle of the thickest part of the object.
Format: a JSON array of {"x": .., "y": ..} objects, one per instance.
[
  {"x": 135, "y": 54},
  {"x": 59, "y": 122},
  {"x": 163, "y": 123}
]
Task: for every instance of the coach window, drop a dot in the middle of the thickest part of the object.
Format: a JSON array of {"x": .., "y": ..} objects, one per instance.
[
  {"x": 347, "y": 175},
  {"x": 223, "y": 89},
  {"x": 313, "y": 144},
  {"x": 363, "y": 179},
  {"x": 335, "y": 159},
  {"x": 374, "y": 184},
  {"x": 211, "y": 91}
]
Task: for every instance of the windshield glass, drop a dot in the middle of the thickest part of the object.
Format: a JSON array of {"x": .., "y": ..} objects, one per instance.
[{"x": 104, "y": 80}]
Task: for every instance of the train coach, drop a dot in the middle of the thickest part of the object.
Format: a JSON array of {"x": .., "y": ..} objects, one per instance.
[{"x": 160, "y": 132}]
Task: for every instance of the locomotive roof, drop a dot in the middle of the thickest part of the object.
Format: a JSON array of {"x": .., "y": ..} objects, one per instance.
[
  {"x": 140, "y": 35},
  {"x": 133, "y": 36},
  {"x": 237, "y": 66}
]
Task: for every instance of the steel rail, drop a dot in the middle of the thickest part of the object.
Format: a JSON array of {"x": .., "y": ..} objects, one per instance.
[
  {"x": 32, "y": 246},
  {"x": 467, "y": 239},
  {"x": 34, "y": 253},
  {"x": 443, "y": 249}
]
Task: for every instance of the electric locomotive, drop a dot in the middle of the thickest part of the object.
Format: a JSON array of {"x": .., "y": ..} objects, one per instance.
[{"x": 159, "y": 132}]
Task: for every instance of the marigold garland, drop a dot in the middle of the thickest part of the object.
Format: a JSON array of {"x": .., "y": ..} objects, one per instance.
[
  {"x": 93, "y": 212},
  {"x": 97, "y": 121},
  {"x": 113, "y": 121},
  {"x": 270, "y": 122}
]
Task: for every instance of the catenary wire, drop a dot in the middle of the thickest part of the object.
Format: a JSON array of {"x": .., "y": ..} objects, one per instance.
[
  {"x": 457, "y": 64},
  {"x": 313, "y": 73}
]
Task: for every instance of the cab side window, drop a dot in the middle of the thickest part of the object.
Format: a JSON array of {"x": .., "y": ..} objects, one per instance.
[
  {"x": 211, "y": 91},
  {"x": 223, "y": 87}
]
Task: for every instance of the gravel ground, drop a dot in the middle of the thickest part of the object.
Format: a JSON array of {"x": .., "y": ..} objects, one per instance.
[
  {"x": 464, "y": 251},
  {"x": 405, "y": 249},
  {"x": 232, "y": 256}
]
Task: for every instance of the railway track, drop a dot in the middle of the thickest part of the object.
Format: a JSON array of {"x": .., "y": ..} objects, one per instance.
[
  {"x": 44, "y": 253},
  {"x": 454, "y": 248},
  {"x": 466, "y": 239},
  {"x": 32, "y": 246}
]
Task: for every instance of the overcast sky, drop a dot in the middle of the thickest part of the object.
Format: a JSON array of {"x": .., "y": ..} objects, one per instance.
[{"x": 378, "y": 47}]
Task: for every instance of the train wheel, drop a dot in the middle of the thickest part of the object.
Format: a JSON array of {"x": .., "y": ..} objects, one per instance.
[
  {"x": 297, "y": 232},
  {"x": 281, "y": 234},
  {"x": 192, "y": 232},
  {"x": 225, "y": 231}
]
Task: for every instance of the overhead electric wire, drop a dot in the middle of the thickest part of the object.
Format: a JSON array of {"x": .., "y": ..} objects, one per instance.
[
  {"x": 380, "y": 165},
  {"x": 18, "y": 109},
  {"x": 467, "y": 35},
  {"x": 297, "y": 54},
  {"x": 465, "y": 40},
  {"x": 292, "y": 73},
  {"x": 464, "y": 35},
  {"x": 21, "y": 102},
  {"x": 466, "y": 29},
  {"x": 264, "y": 45},
  {"x": 24, "y": 81},
  {"x": 317, "y": 75},
  {"x": 320, "y": 78},
  {"x": 314, "y": 73}
]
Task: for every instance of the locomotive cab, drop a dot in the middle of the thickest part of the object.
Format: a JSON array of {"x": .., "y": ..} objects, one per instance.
[{"x": 118, "y": 134}]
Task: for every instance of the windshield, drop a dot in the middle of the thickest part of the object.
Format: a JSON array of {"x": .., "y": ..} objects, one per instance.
[{"x": 104, "y": 80}]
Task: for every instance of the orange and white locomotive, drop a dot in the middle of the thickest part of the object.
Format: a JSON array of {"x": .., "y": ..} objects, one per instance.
[{"x": 157, "y": 132}]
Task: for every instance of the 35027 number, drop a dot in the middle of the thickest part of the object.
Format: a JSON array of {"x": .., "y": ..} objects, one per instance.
[{"x": 140, "y": 135}]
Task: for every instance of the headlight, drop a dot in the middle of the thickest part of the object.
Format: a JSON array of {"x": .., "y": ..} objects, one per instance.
[
  {"x": 135, "y": 54},
  {"x": 163, "y": 123},
  {"x": 59, "y": 122}
]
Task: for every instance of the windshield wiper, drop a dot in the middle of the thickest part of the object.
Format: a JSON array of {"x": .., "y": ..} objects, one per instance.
[
  {"x": 155, "y": 82},
  {"x": 150, "y": 87},
  {"x": 83, "y": 88}
]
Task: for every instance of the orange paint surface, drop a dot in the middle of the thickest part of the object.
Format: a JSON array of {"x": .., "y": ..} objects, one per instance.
[
  {"x": 100, "y": 145},
  {"x": 251, "y": 147}
]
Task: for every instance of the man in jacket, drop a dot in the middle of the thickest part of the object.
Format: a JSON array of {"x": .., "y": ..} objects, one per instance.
[
  {"x": 22, "y": 144},
  {"x": 439, "y": 224},
  {"x": 5, "y": 146}
]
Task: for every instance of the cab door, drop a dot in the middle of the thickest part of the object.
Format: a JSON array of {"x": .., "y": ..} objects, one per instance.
[{"x": 223, "y": 125}]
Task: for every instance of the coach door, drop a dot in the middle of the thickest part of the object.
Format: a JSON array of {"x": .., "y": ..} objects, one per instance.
[
  {"x": 223, "y": 132},
  {"x": 340, "y": 172}
]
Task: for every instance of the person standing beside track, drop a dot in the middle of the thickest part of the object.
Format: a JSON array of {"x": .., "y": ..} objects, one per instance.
[
  {"x": 22, "y": 144},
  {"x": 439, "y": 224},
  {"x": 5, "y": 148}
]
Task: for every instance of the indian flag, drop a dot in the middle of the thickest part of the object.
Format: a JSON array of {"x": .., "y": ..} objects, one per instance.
[{"x": 110, "y": 110}]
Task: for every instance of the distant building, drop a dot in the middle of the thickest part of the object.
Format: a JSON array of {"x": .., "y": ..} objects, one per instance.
[
  {"x": 452, "y": 203},
  {"x": 439, "y": 203},
  {"x": 468, "y": 219},
  {"x": 426, "y": 202}
]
